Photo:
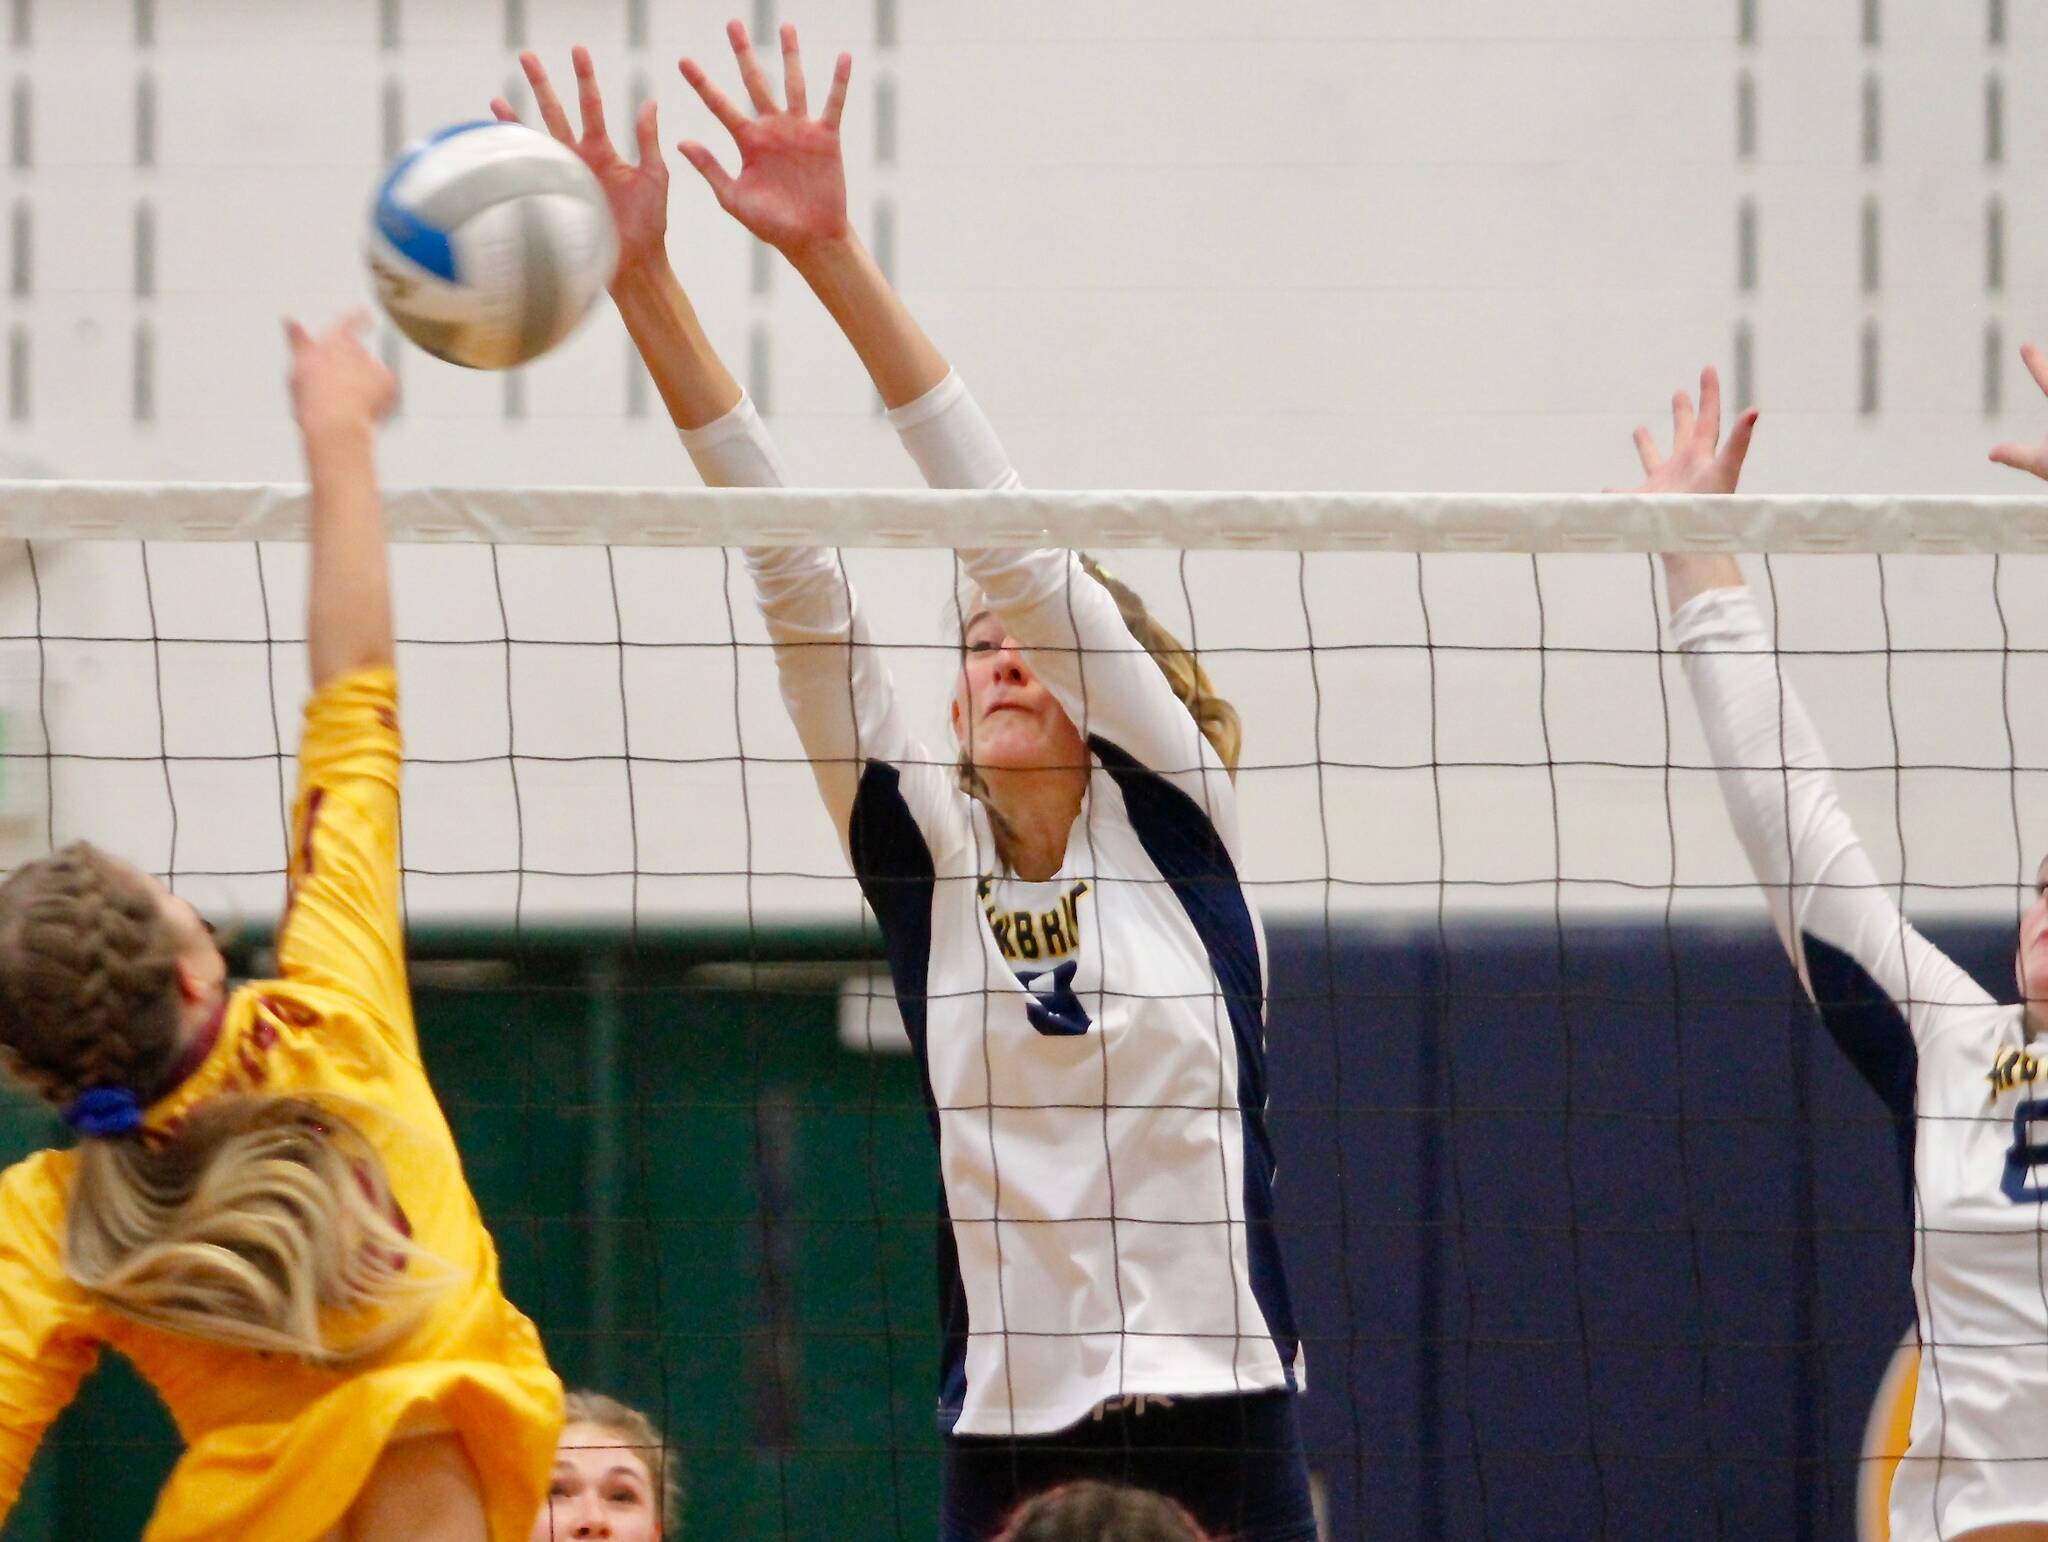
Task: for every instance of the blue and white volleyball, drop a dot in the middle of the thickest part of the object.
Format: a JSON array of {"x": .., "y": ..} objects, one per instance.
[{"x": 489, "y": 242}]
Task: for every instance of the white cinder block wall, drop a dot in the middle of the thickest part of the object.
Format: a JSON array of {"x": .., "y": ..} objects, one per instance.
[{"x": 1175, "y": 243}]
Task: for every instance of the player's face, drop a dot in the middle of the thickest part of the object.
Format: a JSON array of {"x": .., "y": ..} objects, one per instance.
[
  {"x": 600, "y": 1490},
  {"x": 1003, "y": 716},
  {"x": 2032, "y": 963}
]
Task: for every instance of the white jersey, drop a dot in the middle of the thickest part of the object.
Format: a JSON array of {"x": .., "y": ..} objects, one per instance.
[
  {"x": 1092, "y": 1046},
  {"x": 1953, "y": 1065}
]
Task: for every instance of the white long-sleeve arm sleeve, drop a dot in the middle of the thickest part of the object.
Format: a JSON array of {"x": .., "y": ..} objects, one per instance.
[
  {"x": 1066, "y": 622},
  {"x": 833, "y": 682},
  {"x": 1824, "y": 893}
]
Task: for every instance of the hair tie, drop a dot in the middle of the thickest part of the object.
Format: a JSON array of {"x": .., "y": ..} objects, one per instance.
[{"x": 103, "y": 1113}]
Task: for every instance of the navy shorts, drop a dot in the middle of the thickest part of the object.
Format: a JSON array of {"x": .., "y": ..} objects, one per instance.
[{"x": 1236, "y": 1462}]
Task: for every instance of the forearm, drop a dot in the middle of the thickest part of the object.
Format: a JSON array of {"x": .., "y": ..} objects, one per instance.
[
  {"x": 1773, "y": 770},
  {"x": 900, "y": 359},
  {"x": 694, "y": 383},
  {"x": 348, "y": 607},
  {"x": 1689, "y": 574}
]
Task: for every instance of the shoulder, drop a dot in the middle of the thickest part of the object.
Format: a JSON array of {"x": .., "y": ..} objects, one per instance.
[
  {"x": 908, "y": 815},
  {"x": 34, "y": 1193}
]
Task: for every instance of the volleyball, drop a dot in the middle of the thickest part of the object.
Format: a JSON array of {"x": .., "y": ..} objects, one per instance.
[{"x": 488, "y": 243}]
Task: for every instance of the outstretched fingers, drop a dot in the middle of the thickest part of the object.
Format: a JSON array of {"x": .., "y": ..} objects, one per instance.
[
  {"x": 752, "y": 76},
  {"x": 1646, "y": 451},
  {"x": 1736, "y": 450},
  {"x": 647, "y": 135},
  {"x": 793, "y": 89},
  {"x": 1709, "y": 429},
  {"x": 709, "y": 169},
  {"x": 589, "y": 100},
  {"x": 835, "y": 102},
  {"x": 544, "y": 98},
  {"x": 1681, "y": 421},
  {"x": 2023, "y": 457},
  {"x": 2037, "y": 364},
  {"x": 720, "y": 105}
]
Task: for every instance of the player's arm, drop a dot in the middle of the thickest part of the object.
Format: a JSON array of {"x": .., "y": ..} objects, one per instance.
[
  {"x": 791, "y": 193},
  {"x": 46, "y": 1346},
  {"x": 694, "y": 383},
  {"x": 2028, "y": 457},
  {"x": 1852, "y": 948},
  {"x": 341, "y": 927}
]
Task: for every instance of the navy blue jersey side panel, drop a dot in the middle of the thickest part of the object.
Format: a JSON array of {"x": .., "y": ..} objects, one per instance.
[
  {"x": 1872, "y": 1031},
  {"x": 1191, "y": 857},
  {"x": 894, "y": 866}
]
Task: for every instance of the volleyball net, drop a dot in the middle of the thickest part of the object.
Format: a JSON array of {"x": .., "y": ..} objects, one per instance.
[{"x": 1586, "y": 1219}]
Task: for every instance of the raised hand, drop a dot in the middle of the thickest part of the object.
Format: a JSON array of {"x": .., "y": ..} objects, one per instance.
[
  {"x": 1699, "y": 462},
  {"x": 791, "y": 187},
  {"x": 638, "y": 194},
  {"x": 336, "y": 384},
  {"x": 2028, "y": 457}
]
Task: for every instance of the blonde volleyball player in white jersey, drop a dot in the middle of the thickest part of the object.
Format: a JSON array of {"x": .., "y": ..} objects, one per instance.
[
  {"x": 1966, "y": 1076},
  {"x": 1080, "y": 969}
]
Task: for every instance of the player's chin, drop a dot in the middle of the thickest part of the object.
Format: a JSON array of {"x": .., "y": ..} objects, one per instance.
[
  {"x": 1010, "y": 741},
  {"x": 2032, "y": 969}
]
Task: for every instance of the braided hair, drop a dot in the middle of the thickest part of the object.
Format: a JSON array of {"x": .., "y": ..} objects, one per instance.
[
  {"x": 88, "y": 970},
  {"x": 262, "y": 1219}
]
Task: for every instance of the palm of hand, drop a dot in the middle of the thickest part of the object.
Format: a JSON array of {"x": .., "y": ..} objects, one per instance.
[
  {"x": 1692, "y": 469},
  {"x": 638, "y": 195},
  {"x": 792, "y": 182}
]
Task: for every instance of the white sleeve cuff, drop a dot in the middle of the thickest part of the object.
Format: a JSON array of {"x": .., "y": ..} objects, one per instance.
[
  {"x": 1727, "y": 614},
  {"x": 735, "y": 450},
  {"x": 951, "y": 439}
]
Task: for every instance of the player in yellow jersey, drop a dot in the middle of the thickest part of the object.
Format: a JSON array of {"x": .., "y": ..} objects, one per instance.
[{"x": 264, "y": 1210}]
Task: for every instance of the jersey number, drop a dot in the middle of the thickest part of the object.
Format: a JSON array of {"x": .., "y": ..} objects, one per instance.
[
  {"x": 1057, "y": 1011},
  {"x": 2026, "y": 1155}
]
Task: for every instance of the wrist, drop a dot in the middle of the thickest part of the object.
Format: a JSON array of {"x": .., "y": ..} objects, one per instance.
[
  {"x": 641, "y": 272},
  {"x": 337, "y": 436},
  {"x": 819, "y": 258}
]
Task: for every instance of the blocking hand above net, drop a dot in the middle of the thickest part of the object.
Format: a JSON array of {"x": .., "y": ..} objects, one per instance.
[
  {"x": 2028, "y": 457},
  {"x": 264, "y": 1210},
  {"x": 1960, "y": 1073}
]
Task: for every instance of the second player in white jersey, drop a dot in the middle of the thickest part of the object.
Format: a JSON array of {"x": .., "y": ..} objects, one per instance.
[
  {"x": 1073, "y": 951},
  {"x": 1092, "y": 1038},
  {"x": 1966, "y": 1076}
]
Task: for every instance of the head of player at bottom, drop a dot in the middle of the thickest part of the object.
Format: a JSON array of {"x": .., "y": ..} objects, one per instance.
[
  {"x": 615, "y": 1480},
  {"x": 1093, "y": 1511}
]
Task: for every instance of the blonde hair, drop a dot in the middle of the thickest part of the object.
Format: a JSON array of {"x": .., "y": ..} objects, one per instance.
[
  {"x": 1216, "y": 718},
  {"x": 635, "y": 1433},
  {"x": 260, "y": 1215}
]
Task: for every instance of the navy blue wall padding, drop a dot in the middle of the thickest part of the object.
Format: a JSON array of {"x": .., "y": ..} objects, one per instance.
[{"x": 1662, "y": 1316}]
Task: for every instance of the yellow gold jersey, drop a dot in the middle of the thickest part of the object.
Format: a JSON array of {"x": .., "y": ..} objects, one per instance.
[{"x": 277, "y": 1448}]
